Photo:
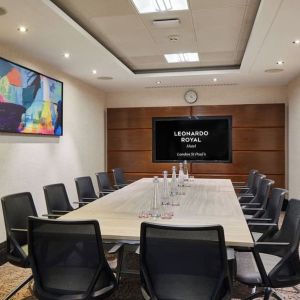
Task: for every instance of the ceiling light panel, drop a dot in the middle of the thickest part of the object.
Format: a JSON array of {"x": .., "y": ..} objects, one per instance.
[
  {"x": 182, "y": 57},
  {"x": 153, "y": 6}
]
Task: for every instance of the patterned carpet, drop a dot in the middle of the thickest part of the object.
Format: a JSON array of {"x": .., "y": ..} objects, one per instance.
[{"x": 129, "y": 288}]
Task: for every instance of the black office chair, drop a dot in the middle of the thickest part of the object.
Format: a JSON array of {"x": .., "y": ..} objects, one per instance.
[
  {"x": 267, "y": 224},
  {"x": 183, "y": 262},
  {"x": 275, "y": 262},
  {"x": 57, "y": 200},
  {"x": 67, "y": 260},
  {"x": 85, "y": 190},
  {"x": 119, "y": 178},
  {"x": 16, "y": 209},
  {"x": 247, "y": 197},
  {"x": 244, "y": 187},
  {"x": 104, "y": 183},
  {"x": 256, "y": 207}
]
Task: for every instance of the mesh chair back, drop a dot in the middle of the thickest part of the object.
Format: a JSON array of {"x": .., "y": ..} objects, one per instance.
[
  {"x": 16, "y": 209},
  {"x": 85, "y": 189},
  {"x": 184, "y": 262},
  {"x": 103, "y": 182},
  {"x": 250, "y": 180},
  {"x": 56, "y": 198},
  {"x": 263, "y": 192},
  {"x": 287, "y": 271},
  {"x": 67, "y": 258},
  {"x": 119, "y": 176},
  {"x": 275, "y": 204},
  {"x": 256, "y": 182}
]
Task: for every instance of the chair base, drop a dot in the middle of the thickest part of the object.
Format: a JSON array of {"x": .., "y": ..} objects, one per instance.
[
  {"x": 266, "y": 293},
  {"x": 12, "y": 293}
]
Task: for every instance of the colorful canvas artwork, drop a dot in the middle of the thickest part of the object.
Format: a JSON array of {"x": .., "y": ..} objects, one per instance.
[{"x": 30, "y": 102}]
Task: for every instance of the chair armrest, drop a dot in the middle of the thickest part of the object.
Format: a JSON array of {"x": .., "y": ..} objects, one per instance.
[
  {"x": 107, "y": 191},
  {"x": 61, "y": 211},
  {"x": 251, "y": 204},
  {"x": 80, "y": 202},
  {"x": 271, "y": 244},
  {"x": 252, "y": 209},
  {"x": 246, "y": 195},
  {"x": 262, "y": 224},
  {"x": 241, "y": 187},
  {"x": 258, "y": 219},
  {"x": 89, "y": 198},
  {"x": 19, "y": 229},
  {"x": 115, "y": 248}
]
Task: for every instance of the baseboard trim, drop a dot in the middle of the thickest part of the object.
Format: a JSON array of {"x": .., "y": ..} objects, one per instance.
[{"x": 3, "y": 253}]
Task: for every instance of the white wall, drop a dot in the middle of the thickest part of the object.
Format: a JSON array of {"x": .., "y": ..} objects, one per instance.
[
  {"x": 27, "y": 163},
  {"x": 208, "y": 95},
  {"x": 294, "y": 138}
]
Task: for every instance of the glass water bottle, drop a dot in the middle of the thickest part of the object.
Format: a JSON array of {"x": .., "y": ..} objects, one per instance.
[
  {"x": 165, "y": 199},
  {"x": 154, "y": 205},
  {"x": 180, "y": 180}
]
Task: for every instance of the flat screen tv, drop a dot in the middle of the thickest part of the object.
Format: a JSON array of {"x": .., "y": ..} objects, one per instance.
[
  {"x": 30, "y": 102},
  {"x": 197, "y": 139}
]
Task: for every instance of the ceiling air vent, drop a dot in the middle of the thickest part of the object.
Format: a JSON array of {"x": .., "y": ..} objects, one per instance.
[{"x": 165, "y": 23}]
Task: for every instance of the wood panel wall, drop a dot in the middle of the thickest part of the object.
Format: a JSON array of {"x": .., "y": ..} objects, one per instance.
[{"x": 258, "y": 141}]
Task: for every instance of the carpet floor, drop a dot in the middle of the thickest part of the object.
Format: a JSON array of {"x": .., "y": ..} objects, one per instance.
[{"x": 129, "y": 288}]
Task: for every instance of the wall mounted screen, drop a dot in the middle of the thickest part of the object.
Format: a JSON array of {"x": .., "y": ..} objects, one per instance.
[
  {"x": 30, "y": 102},
  {"x": 199, "y": 139}
]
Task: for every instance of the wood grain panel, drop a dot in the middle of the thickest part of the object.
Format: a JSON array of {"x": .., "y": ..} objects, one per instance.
[
  {"x": 129, "y": 139},
  {"x": 140, "y": 161},
  {"x": 258, "y": 139},
  {"x": 141, "y": 117},
  {"x": 271, "y": 162},
  {"x": 250, "y": 115}
]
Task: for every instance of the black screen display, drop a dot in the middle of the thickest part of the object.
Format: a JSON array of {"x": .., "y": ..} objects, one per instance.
[{"x": 201, "y": 139}]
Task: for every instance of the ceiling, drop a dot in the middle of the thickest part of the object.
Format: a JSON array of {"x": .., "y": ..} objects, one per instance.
[{"x": 218, "y": 29}]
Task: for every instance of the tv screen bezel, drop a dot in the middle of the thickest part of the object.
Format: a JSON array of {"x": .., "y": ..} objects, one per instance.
[
  {"x": 62, "y": 105},
  {"x": 228, "y": 118}
]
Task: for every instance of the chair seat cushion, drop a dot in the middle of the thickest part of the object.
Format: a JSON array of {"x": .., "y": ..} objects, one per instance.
[
  {"x": 247, "y": 271},
  {"x": 183, "y": 287}
]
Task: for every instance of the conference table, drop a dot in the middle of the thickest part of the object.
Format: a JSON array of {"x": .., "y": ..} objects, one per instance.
[{"x": 205, "y": 202}]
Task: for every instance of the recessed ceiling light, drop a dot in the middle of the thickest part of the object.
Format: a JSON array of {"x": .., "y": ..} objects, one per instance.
[
  {"x": 22, "y": 29},
  {"x": 66, "y": 54},
  {"x": 297, "y": 42},
  {"x": 94, "y": 71},
  {"x": 215, "y": 79},
  {"x": 158, "y": 82},
  {"x": 153, "y": 6},
  {"x": 280, "y": 62},
  {"x": 181, "y": 57},
  {"x": 2, "y": 11}
]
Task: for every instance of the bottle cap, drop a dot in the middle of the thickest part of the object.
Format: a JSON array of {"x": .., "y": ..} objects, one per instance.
[{"x": 165, "y": 173}]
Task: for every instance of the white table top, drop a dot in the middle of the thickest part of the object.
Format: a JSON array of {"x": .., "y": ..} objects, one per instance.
[{"x": 206, "y": 202}]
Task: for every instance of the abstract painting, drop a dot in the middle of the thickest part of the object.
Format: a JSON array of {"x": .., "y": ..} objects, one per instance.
[{"x": 30, "y": 102}]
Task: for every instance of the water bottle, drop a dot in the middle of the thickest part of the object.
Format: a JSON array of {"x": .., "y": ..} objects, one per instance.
[
  {"x": 174, "y": 185},
  {"x": 185, "y": 171},
  {"x": 154, "y": 205},
  {"x": 180, "y": 180},
  {"x": 165, "y": 193}
]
